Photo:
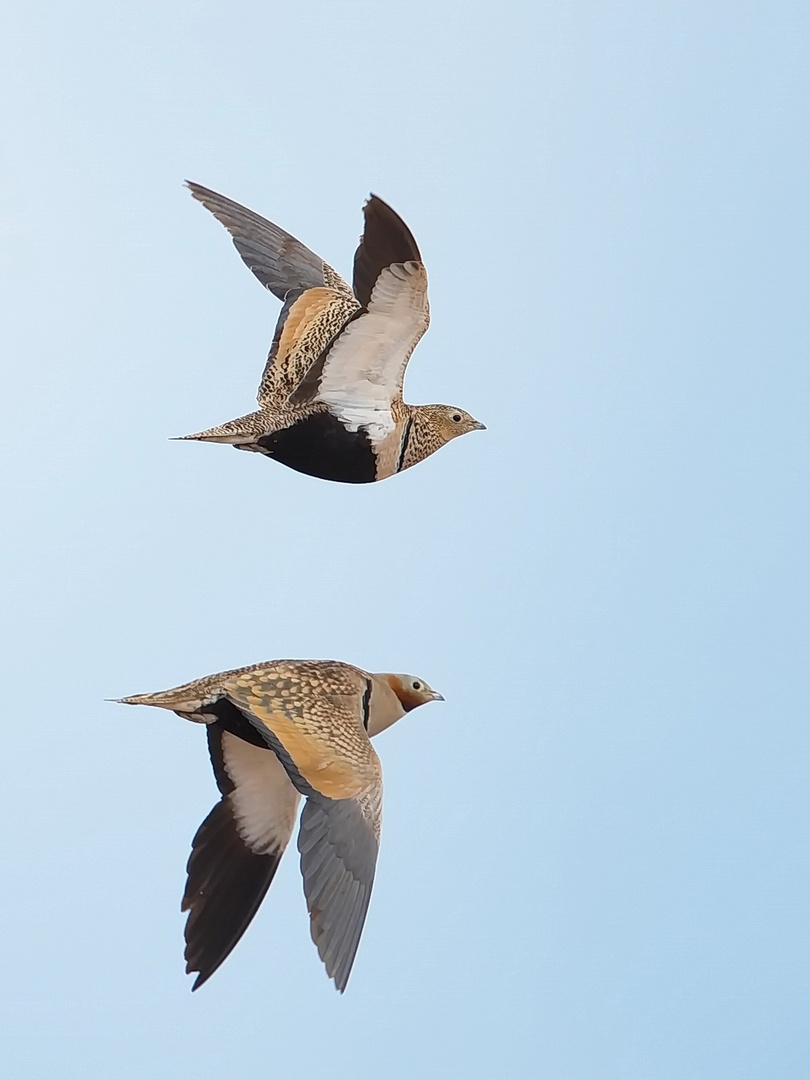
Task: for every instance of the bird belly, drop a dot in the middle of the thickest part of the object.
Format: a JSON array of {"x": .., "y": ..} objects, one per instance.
[{"x": 319, "y": 445}]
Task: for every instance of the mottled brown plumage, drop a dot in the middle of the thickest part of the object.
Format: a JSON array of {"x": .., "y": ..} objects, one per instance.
[
  {"x": 277, "y": 731},
  {"x": 330, "y": 399}
]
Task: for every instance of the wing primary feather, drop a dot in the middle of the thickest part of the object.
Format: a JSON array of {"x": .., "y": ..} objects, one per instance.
[
  {"x": 336, "y": 930},
  {"x": 344, "y": 954},
  {"x": 274, "y": 256},
  {"x": 325, "y": 890},
  {"x": 338, "y": 847},
  {"x": 352, "y": 943},
  {"x": 386, "y": 239},
  {"x": 226, "y": 884},
  {"x": 236, "y": 851}
]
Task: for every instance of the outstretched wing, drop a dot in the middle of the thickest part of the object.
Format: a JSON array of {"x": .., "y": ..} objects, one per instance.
[
  {"x": 315, "y": 728},
  {"x": 338, "y": 841},
  {"x": 386, "y": 240},
  {"x": 280, "y": 262},
  {"x": 316, "y": 300},
  {"x": 322, "y": 743},
  {"x": 237, "y": 849},
  {"x": 308, "y": 323},
  {"x": 362, "y": 371}
]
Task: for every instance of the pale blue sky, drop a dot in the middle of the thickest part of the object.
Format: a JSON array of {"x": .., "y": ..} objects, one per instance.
[{"x": 595, "y": 861}]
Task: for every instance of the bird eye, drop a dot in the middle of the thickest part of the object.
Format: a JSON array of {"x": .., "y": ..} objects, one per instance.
[
  {"x": 456, "y": 418},
  {"x": 416, "y": 684}
]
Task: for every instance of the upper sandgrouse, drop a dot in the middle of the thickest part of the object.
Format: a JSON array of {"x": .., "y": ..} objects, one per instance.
[
  {"x": 330, "y": 399},
  {"x": 277, "y": 731}
]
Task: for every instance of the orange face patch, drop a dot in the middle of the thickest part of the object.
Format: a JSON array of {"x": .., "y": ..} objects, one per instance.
[{"x": 408, "y": 697}]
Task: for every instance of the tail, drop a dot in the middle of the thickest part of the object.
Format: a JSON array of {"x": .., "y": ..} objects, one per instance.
[
  {"x": 189, "y": 698},
  {"x": 245, "y": 429},
  {"x": 164, "y": 699}
]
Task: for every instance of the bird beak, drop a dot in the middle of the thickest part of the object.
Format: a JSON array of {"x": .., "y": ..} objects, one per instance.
[
  {"x": 479, "y": 426},
  {"x": 436, "y": 696}
]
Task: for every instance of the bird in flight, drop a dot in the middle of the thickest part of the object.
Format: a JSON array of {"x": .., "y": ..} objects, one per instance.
[
  {"x": 277, "y": 731},
  {"x": 330, "y": 399}
]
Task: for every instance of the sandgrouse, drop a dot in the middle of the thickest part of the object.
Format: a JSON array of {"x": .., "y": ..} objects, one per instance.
[
  {"x": 277, "y": 731},
  {"x": 330, "y": 399}
]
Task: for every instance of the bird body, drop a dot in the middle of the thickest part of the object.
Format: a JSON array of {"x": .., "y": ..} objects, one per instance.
[
  {"x": 330, "y": 399},
  {"x": 278, "y": 731}
]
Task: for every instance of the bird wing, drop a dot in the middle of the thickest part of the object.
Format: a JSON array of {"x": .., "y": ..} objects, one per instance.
[
  {"x": 338, "y": 841},
  {"x": 279, "y": 261},
  {"x": 237, "y": 849},
  {"x": 362, "y": 371},
  {"x": 317, "y": 730},
  {"x": 307, "y": 325},
  {"x": 311, "y": 715},
  {"x": 386, "y": 240},
  {"x": 316, "y": 300}
]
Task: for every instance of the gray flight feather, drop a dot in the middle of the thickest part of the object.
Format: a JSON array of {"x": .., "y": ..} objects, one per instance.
[
  {"x": 280, "y": 262},
  {"x": 338, "y": 846}
]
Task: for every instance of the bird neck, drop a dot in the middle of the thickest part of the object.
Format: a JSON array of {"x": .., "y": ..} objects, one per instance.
[
  {"x": 385, "y": 708},
  {"x": 421, "y": 437}
]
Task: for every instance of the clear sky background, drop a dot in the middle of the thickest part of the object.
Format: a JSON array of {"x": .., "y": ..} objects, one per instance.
[{"x": 595, "y": 860}]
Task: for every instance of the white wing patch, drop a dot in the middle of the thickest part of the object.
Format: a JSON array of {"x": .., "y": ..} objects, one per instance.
[
  {"x": 364, "y": 369},
  {"x": 264, "y": 801}
]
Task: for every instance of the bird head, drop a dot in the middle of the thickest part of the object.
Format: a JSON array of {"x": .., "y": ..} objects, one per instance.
[
  {"x": 450, "y": 422},
  {"x": 412, "y": 691}
]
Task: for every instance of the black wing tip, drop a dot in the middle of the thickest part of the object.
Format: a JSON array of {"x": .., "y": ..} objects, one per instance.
[
  {"x": 204, "y": 967},
  {"x": 387, "y": 217},
  {"x": 224, "y": 889},
  {"x": 386, "y": 239},
  {"x": 374, "y": 200}
]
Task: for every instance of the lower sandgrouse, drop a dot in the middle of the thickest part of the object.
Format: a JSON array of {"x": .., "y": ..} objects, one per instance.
[
  {"x": 330, "y": 399},
  {"x": 277, "y": 731}
]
